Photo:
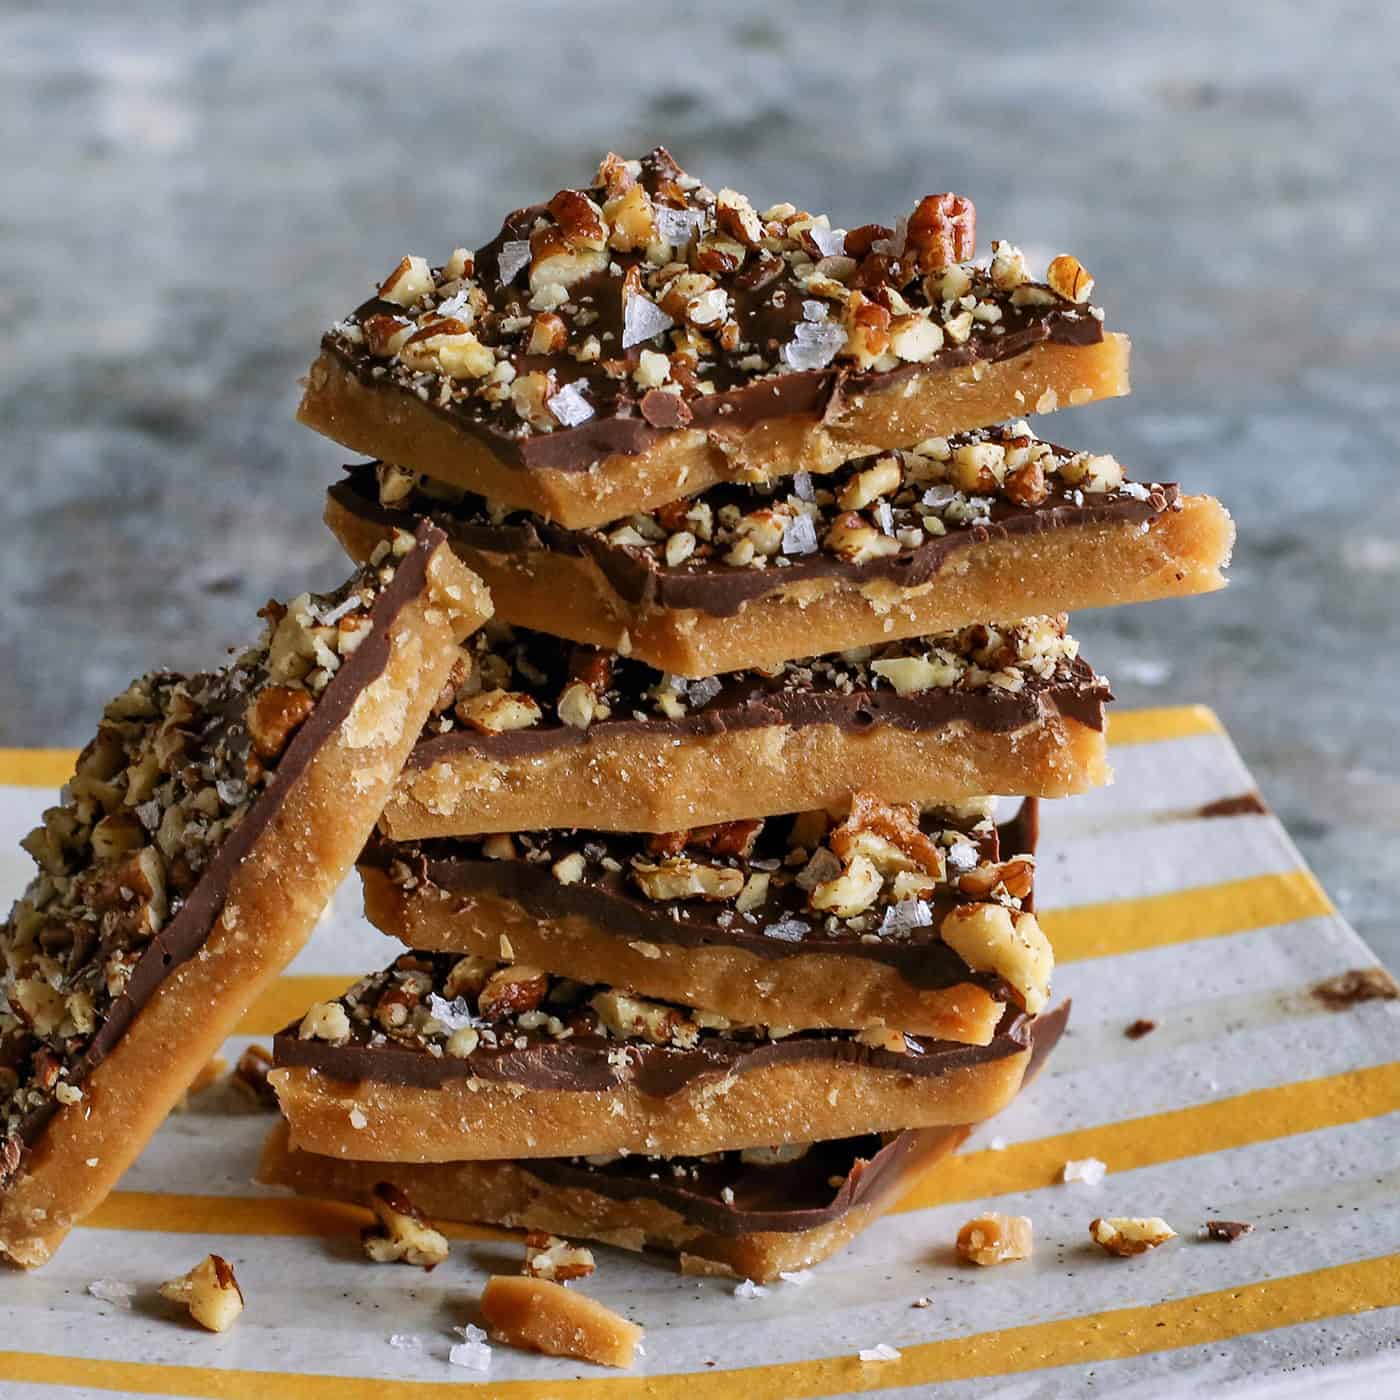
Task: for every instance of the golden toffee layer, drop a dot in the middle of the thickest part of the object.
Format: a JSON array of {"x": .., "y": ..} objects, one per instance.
[
  {"x": 641, "y": 339},
  {"x": 442, "y": 1059},
  {"x": 992, "y": 525},
  {"x": 533, "y": 732},
  {"x": 883, "y": 919},
  {"x": 755, "y": 1214},
  {"x": 193, "y": 849}
]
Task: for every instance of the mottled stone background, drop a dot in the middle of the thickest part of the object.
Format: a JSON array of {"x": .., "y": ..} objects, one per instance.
[{"x": 188, "y": 201}]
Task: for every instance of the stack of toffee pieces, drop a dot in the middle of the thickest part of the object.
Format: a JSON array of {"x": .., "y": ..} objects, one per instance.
[{"x": 713, "y": 940}]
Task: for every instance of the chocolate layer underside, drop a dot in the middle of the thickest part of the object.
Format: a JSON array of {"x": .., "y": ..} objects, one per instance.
[
  {"x": 782, "y": 1199},
  {"x": 721, "y": 590},
  {"x": 183, "y": 937},
  {"x": 596, "y": 1064},
  {"x": 614, "y": 910}
]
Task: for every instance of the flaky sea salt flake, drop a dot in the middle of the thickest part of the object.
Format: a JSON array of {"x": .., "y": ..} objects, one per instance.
[
  {"x": 569, "y": 406},
  {"x": 799, "y": 1278},
  {"x": 515, "y": 254},
  {"x": 800, "y": 535},
  {"x": 788, "y": 930},
  {"x": 642, "y": 319},
  {"x": 747, "y": 1288},
  {"x": 404, "y": 1341},
  {"x": 677, "y": 225},
  {"x": 831, "y": 242},
  {"x": 1089, "y": 1170},
  {"x": 112, "y": 1290},
  {"x": 472, "y": 1352},
  {"x": 813, "y": 346},
  {"x": 882, "y": 1352},
  {"x": 454, "y": 1015}
]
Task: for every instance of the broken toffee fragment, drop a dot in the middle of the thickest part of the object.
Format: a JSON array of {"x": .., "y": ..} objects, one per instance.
[{"x": 191, "y": 854}]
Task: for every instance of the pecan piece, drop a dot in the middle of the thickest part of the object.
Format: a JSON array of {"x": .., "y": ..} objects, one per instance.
[{"x": 942, "y": 230}]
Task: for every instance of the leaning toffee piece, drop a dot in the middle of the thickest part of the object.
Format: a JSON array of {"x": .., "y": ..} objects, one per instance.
[
  {"x": 193, "y": 850},
  {"x": 755, "y": 1213},
  {"x": 641, "y": 339},
  {"x": 535, "y": 733},
  {"x": 440, "y": 1058},
  {"x": 884, "y": 919},
  {"x": 988, "y": 526}
]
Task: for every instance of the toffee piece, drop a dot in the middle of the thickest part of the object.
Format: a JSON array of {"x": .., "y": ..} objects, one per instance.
[
  {"x": 538, "y": 733},
  {"x": 440, "y": 1058},
  {"x": 643, "y": 338},
  {"x": 885, "y": 919},
  {"x": 985, "y": 526},
  {"x": 754, "y": 1214},
  {"x": 187, "y": 862}
]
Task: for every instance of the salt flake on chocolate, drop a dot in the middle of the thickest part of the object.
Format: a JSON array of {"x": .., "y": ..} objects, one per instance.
[
  {"x": 701, "y": 692},
  {"x": 814, "y": 310},
  {"x": 963, "y": 856},
  {"x": 455, "y": 305},
  {"x": 831, "y": 242},
  {"x": 884, "y": 518},
  {"x": 800, "y": 535},
  {"x": 907, "y": 914},
  {"x": 642, "y": 319},
  {"x": 570, "y": 407},
  {"x": 515, "y": 255},
  {"x": 455, "y": 1015},
  {"x": 677, "y": 225},
  {"x": 802, "y": 486},
  {"x": 788, "y": 930},
  {"x": 813, "y": 346}
]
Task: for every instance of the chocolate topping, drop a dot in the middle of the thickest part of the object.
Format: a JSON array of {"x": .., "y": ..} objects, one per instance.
[
  {"x": 713, "y": 587},
  {"x": 730, "y": 1197},
  {"x": 769, "y": 319},
  {"x": 591, "y": 1063},
  {"x": 615, "y": 908},
  {"x": 185, "y": 934}
]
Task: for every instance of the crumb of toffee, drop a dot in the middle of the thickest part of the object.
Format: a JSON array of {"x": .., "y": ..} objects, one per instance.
[
  {"x": 648, "y": 297},
  {"x": 1360, "y": 984},
  {"x": 1140, "y": 1028},
  {"x": 1227, "y": 1231}
]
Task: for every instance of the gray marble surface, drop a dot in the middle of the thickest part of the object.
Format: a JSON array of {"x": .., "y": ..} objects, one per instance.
[{"x": 189, "y": 200}]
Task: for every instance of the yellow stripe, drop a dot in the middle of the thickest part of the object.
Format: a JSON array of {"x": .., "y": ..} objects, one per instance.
[
  {"x": 1197, "y": 1320},
  {"x": 1153, "y": 726},
  {"x": 53, "y": 767},
  {"x": 240, "y": 1215},
  {"x": 1209, "y": 911},
  {"x": 42, "y": 768},
  {"x": 1261, "y": 1116},
  {"x": 288, "y": 1000}
]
